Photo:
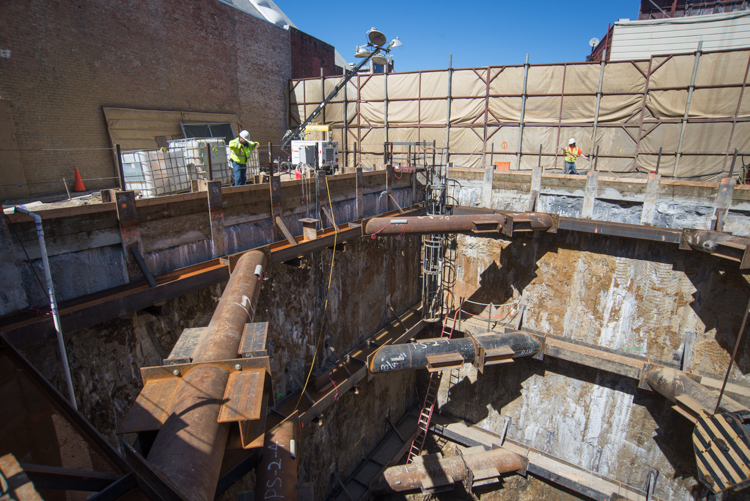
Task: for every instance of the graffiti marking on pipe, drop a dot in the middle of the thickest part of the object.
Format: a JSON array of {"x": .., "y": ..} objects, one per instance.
[{"x": 388, "y": 366}]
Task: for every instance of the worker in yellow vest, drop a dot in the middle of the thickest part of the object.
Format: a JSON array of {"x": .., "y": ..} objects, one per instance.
[
  {"x": 240, "y": 150},
  {"x": 572, "y": 152}
]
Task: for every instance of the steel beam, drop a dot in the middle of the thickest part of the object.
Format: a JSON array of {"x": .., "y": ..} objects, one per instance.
[
  {"x": 190, "y": 444},
  {"x": 724, "y": 245}
]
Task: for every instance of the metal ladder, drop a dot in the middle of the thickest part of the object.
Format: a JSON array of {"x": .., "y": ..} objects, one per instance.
[
  {"x": 424, "y": 417},
  {"x": 428, "y": 407}
]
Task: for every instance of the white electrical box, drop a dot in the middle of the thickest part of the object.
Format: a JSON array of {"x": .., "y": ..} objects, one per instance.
[{"x": 326, "y": 153}]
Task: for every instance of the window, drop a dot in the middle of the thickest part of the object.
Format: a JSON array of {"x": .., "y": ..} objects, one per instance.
[{"x": 223, "y": 130}]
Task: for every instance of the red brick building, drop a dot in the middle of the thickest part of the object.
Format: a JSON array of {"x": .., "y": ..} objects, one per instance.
[{"x": 63, "y": 61}]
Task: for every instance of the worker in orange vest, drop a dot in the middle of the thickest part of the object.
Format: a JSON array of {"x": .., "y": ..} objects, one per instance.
[{"x": 572, "y": 152}]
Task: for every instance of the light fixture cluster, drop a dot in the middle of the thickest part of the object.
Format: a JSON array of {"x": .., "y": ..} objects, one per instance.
[{"x": 376, "y": 44}]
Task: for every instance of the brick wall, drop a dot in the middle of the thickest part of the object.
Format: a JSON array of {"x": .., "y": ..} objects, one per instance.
[
  {"x": 310, "y": 54},
  {"x": 68, "y": 59}
]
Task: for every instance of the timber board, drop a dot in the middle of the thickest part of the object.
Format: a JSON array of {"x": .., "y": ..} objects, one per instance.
[
  {"x": 169, "y": 199},
  {"x": 172, "y": 232},
  {"x": 243, "y": 198},
  {"x": 63, "y": 212},
  {"x": 170, "y": 210},
  {"x": 60, "y": 227}
]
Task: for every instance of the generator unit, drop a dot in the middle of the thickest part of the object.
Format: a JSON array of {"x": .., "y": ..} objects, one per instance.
[{"x": 318, "y": 154}]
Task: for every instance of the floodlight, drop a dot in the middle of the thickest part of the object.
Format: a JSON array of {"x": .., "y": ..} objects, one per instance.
[
  {"x": 362, "y": 51},
  {"x": 380, "y": 59},
  {"x": 376, "y": 37},
  {"x": 394, "y": 43}
]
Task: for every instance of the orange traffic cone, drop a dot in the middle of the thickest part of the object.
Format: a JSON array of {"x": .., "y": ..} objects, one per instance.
[{"x": 79, "y": 182}]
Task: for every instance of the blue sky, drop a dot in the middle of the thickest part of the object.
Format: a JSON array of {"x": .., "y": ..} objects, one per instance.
[{"x": 476, "y": 33}]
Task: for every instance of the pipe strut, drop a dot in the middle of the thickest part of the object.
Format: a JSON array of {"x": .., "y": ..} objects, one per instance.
[
  {"x": 425, "y": 225},
  {"x": 411, "y": 476},
  {"x": 190, "y": 444},
  {"x": 416, "y": 355},
  {"x": 277, "y": 471}
]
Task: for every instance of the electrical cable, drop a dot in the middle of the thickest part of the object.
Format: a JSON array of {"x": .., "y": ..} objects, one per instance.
[{"x": 325, "y": 306}]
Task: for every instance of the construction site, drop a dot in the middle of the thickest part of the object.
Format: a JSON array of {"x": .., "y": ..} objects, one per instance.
[{"x": 413, "y": 297}]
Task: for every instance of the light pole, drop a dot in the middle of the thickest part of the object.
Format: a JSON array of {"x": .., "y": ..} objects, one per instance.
[{"x": 371, "y": 50}]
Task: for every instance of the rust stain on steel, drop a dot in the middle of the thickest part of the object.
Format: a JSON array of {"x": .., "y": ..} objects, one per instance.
[
  {"x": 412, "y": 476},
  {"x": 242, "y": 397},
  {"x": 277, "y": 471},
  {"x": 674, "y": 385},
  {"x": 151, "y": 408},
  {"x": 190, "y": 445},
  {"x": 424, "y": 225}
]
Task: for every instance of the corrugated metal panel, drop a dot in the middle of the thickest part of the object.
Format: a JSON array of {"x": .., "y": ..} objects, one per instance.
[{"x": 643, "y": 39}]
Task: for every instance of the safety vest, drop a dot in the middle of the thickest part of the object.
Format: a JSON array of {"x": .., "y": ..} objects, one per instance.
[
  {"x": 240, "y": 153},
  {"x": 571, "y": 154}
]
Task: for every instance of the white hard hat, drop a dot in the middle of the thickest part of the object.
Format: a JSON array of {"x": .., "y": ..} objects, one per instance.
[
  {"x": 245, "y": 135},
  {"x": 572, "y": 140}
]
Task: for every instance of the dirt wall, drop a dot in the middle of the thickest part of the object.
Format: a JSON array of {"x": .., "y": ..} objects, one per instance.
[{"x": 642, "y": 298}]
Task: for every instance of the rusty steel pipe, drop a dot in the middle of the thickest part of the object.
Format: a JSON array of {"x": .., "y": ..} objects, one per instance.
[
  {"x": 410, "y": 477},
  {"x": 671, "y": 384},
  {"x": 190, "y": 444},
  {"x": 277, "y": 471},
  {"x": 426, "y": 225},
  {"x": 527, "y": 221},
  {"x": 410, "y": 356}
]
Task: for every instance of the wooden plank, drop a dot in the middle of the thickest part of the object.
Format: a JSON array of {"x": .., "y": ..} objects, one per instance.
[
  {"x": 151, "y": 213},
  {"x": 175, "y": 231},
  {"x": 285, "y": 231},
  {"x": 167, "y": 199},
  {"x": 70, "y": 226},
  {"x": 47, "y": 213}
]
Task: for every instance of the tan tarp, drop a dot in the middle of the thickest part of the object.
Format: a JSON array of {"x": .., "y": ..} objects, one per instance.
[
  {"x": 138, "y": 129},
  {"x": 418, "y": 107}
]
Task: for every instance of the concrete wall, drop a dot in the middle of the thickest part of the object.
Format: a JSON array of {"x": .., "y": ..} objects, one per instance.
[
  {"x": 68, "y": 60},
  {"x": 634, "y": 297}
]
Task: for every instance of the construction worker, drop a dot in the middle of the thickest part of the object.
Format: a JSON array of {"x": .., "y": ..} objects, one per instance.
[
  {"x": 241, "y": 148},
  {"x": 572, "y": 152}
]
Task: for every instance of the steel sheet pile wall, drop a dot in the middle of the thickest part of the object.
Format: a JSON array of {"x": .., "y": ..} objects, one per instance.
[{"x": 640, "y": 109}]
